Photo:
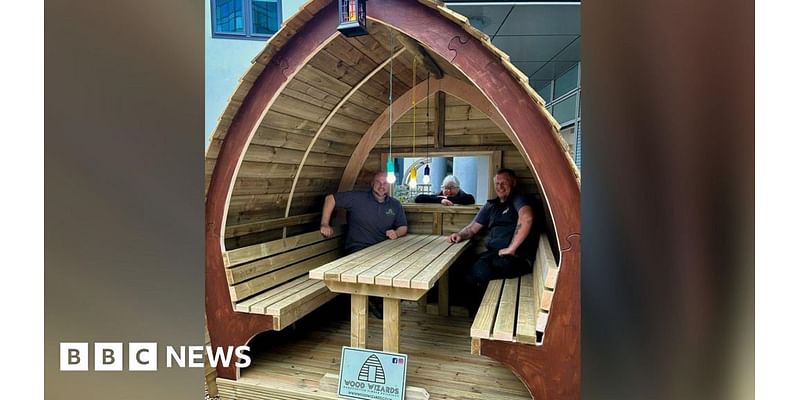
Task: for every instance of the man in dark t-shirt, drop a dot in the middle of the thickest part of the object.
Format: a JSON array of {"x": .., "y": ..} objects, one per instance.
[
  {"x": 510, "y": 249},
  {"x": 372, "y": 216}
]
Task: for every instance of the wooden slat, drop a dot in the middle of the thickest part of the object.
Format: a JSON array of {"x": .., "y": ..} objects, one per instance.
[
  {"x": 435, "y": 208},
  {"x": 550, "y": 268},
  {"x": 437, "y": 223},
  {"x": 260, "y": 226},
  {"x": 444, "y": 294},
  {"x": 300, "y": 309},
  {"x": 243, "y": 272},
  {"x": 430, "y": 251},
  {"x": 258, "y": 304},
  {"x": 541, "y": 321},
  {"x": 358, "y": 321},
  {"x": 528, "y": 306},
  {"x": 506, "y": 311},
  {"x": 263, "y": 282},
  {"x": 376, "y": 290},
  {"x": 547, "y": 299},
  {"x": 455, "y": 222},
  {"x": 386, "y": 278},
  {"x": 368, "y": 276},
  {"x": 389, "y": 254},
  {"x": 332, "y": 270},
  {"x": 261, "y": 250},
  {"x": 426, "y": 278},
  {"x": 280, "y": 307},
  {"x": 356, "y": 259},
  {"x": 391, "y": 325},
  {"x": 484, "y": 319},
  {"x": 281, "y": 155}
]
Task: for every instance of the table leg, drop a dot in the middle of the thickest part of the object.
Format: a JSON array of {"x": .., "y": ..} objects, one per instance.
[
  {"x": 444, "y": 295},
  {"x": 391, "y": 325},
  {"x": 358, "y": 321}
]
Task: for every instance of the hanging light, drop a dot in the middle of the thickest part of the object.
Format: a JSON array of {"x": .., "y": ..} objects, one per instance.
[
  {"x": 426, "y": 174},
  {"x": 412, "y": 177},
  {"x": 353, "y": 17},
  {"x": 390, "y": 162},
  {"x": 390, "y": 172}
]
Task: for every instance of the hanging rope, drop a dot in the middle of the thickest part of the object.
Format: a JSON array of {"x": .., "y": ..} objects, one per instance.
[{"x": 414, "y": 107}]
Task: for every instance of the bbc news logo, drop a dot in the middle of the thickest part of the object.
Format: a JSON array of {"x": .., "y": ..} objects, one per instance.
[{"x": 109, "y": 356}]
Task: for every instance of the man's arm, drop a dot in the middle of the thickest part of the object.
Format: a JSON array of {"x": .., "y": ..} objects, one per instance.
[
  {"x": 524, "y": 223},
  {"x": 327, "y": 210},
  {"x": 401, "y": 222},
  {"x": 466, "y": 233},
  {"x": 397, "y": 233}
]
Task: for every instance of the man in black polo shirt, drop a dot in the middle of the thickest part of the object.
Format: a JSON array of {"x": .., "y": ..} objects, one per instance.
[
  {"x": 372, "y": 216},
  {"x": 509, "y": 218}
]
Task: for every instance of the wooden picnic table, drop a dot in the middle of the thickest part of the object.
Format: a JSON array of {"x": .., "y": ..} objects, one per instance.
[{"x": 401, "y": 269}]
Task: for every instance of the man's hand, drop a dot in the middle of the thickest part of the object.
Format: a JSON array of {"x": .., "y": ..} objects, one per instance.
[
  {"x": 391, "y": 234},
  {"x": 454, "y": 238},
  {"x": 506, "y": 252},
  {"x": 326, "y": 230},
  {"x": 446, "y": 202}
]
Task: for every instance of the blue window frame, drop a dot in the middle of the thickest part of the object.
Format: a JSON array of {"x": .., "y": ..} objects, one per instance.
[{"x": 245, "y": 19}]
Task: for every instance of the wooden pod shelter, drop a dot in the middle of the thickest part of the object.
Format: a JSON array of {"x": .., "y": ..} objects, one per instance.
[{"x": 311, "y": 117}]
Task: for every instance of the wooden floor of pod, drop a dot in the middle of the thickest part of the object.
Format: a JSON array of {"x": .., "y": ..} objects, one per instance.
[{"x": 290, "y": 364}]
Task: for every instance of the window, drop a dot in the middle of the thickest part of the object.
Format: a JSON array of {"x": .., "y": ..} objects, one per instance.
[
  {"x": 245, "y": 19},
  {"x": 474, "y": 172}
]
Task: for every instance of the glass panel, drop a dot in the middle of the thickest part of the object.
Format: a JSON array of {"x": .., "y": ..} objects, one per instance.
[
  {"x": 566, "y": 82},
  {"x": 565, "y": 110},
  {"x": 266, "y": 18},
  {"x": 229, "y": 16},
  {"x": 545, "y": 92},
  {"x": 473, "y": 172}
]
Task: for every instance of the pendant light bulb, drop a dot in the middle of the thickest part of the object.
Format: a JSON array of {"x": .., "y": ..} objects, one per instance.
[
  {"x": 426, "y": 175},
  {"x": 390, "y": 172}
]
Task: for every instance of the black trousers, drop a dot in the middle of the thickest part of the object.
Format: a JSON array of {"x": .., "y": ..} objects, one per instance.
[{"x": 490, "y": 266}]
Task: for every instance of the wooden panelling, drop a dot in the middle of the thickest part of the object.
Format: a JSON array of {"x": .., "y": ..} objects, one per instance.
[
  {"x": 277, "y": 155},
  {"x": 477, "y": 140},
  {"x": 310, "y": 94},
  {"x": 319, "y": 79},
  {"x": 454, "y": 222},
  {"x": 255, "y": 212},
  {"x": 297, "y": 141},
  {"x": 268, "y": 170}
]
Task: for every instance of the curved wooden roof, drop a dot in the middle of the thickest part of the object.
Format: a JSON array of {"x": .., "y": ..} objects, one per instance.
[
  {"x": 311, "y": 117},
  {"x": 316, "y": 136}
]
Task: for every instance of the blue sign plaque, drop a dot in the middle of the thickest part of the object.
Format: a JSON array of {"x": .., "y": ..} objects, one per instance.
[{"x": 372, "y": 375}]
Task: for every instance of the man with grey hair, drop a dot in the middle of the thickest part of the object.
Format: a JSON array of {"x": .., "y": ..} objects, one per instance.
[{"x": 450, "y": 194}]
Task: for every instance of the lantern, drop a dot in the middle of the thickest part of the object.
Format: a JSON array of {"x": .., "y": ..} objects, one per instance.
[{"x": 353, "y": 17}]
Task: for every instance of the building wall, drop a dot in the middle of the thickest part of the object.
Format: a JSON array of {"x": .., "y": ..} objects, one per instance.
[{"x": 226, "y": 61}]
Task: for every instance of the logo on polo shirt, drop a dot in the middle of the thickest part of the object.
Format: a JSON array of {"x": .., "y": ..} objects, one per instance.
[{"x": 390, "y": 211}]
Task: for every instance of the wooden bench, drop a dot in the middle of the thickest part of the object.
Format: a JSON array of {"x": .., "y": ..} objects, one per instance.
[
  {"x": 516, "y": 310},
  {"x": 272, "y": 278}
]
